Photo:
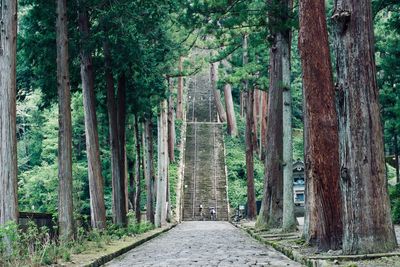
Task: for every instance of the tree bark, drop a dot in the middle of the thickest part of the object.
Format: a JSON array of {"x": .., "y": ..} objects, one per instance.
[
  {"x": 96, "y": 187},
  {"x": 230, "y": 109},
  {"x": 256, "y": 109},
  {"x": 289, "y": 222},
  {"x": 367, "y": 222},
  {"x": 323, "y": 225},
  {"x": 137, "y": 172},
  {"x": 272, "y": 203},
  {"x": 148, "y": 168},
  {"x": 179, "y": 106},
  {"x": 251, "y": 197},
  {"x": 217, "y": 94},
  {"x": 8, "y": 139},
  {"x": 118, "y": 181},
  {"x": 171, "y": 123},
  {"x": 161, "y": 205},
  {"x": 263, "y": 124},
  {"x": 121, "y": 115},
  {"x": 65, "y": 203}
]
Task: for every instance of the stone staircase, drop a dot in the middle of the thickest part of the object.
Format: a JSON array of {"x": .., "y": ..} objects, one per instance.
[{"x": 204, "y": 174}]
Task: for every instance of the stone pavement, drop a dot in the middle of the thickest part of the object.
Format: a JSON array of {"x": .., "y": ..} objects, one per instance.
[{"x": 203, "y": 244}]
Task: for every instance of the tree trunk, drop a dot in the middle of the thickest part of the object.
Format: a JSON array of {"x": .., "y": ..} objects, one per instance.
[
  {"x": 121, "y": 114},
  {"x": 230, "y": 108},
  {"x": 251, "y": 198},
  {"x": 96, "y": 188},
  {"x": 118, "y": 181},
  {"x": 171, "y": 123},
  {"x": 230, "y": 111},
  {"x": 272, "y": 203},
  {"x": 323, "y": 226},
  {"x": 179, "y": 106},
  {"x": 242, "y": 104},
  {"x": 137, "y": 172},
  {"x": 131, "y": 193},
  {"x": 367, "y": 222},
  {"x": 217, "y": 94},
  {"x": 8, "y": 139},
  {"x": 148, "y": 168},
  {"x": 289, "y": 222},
  {"x": 256, "y": 109},
  {"x": 161, "y": 205},
  {"x": 65, "y": 204},
  {"x": 263, "y": 124}
]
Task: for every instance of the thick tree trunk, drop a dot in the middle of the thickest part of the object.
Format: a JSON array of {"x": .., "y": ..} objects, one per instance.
[
  {"x": 8, "y": 139},
  {"x": 272, "y": 203},
  {"x": 323, "y": 225},
  {"x": 179, "y": 106},
  {"x": 251, "y": 197},
  {"x": 263, "y": 124},
  {"x": 217, "y": 94},
  {"x": 65, "y": 204},
  {"x": 161, "y": 206},
  {"x": 137, "y": 171},
  {"x": 148, "y": 168},
  {"x": 118, "y": 181},
  {"x": 367, "y": 222},
  {"x": 171, "y": 123},
  {"x": 96, "y": 188},
  {"x": 289, "y": 222}
]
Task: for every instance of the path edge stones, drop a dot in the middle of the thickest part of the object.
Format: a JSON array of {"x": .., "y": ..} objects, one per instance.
[
  {"x": 109, "y": 257},
  {"x": 290, "y": 253}
]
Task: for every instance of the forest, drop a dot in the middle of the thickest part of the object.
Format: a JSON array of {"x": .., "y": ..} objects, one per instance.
[{"x": 93, "y": 97}]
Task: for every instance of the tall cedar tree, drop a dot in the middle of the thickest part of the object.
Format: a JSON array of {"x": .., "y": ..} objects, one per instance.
[
  {"x": 367, "y": 223},
  {"x": 96, "y": 187},
  {"x": 272, "y": 205},
  {"x": 323, "y": 226},
  {"x": 121, "y": 117},
  {"x": 8, "y": 139},
  {"x": 249, "y": 109},
  {"x": 138, "y": 162},
  {"x": 148, "y": 168},
  {"x": 65, "y": 204},
  {"x": 161, "y": 205},
  {"x": 118, "y": 182},
  {"x": 217, "y": 94},
  {"x": 230, "y": 111},
  {"x": 179, "y": 105},
  {"x": 289, "y": 220},
  {"x": 171, "y": 122}
]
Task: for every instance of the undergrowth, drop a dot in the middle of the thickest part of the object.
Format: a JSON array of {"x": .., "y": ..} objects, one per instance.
[{"x": 34, "y": 246}]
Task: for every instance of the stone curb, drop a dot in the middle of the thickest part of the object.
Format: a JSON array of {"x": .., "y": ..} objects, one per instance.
[
  {"x": 291, "y": 254},
  {"x": 107, "y": 258}
]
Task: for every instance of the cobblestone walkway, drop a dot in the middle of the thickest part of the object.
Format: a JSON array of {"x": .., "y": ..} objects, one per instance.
[{"x": 203, "y": 244}]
